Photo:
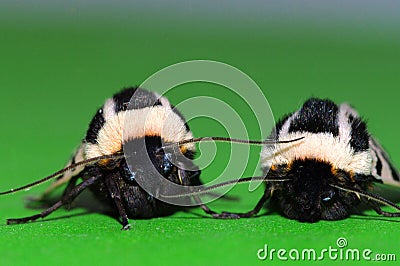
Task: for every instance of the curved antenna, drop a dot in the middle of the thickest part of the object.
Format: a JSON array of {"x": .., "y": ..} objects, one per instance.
[
  {"x": 205, "y": 190},
  {"x": 232, "y": 140},
  {"x": 68, "y": 168},
  {"x": 369, "y": 196}
]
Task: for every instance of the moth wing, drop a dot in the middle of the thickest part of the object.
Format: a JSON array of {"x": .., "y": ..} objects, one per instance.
[{"x": 382, "y": 169}]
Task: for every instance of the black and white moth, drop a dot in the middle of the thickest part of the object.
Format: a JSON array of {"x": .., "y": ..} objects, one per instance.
[
  {"x": 100, "y": 163},
  {"x": 324, "y": 175}
]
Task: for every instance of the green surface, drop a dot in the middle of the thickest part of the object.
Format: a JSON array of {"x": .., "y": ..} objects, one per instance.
[{"x": 55, "y": 75}]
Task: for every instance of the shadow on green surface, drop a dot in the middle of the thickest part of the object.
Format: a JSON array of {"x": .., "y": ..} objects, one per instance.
[{"x": 91, "y": 205}]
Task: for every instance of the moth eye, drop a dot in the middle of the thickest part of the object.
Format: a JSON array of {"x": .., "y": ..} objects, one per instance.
[
  {"x": 327, "y": 196},
  {"x": 326, "y": 199}
]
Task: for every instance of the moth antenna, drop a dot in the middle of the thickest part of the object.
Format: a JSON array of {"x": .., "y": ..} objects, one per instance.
[
  {"x": 68, "y": 168},
  {"x": 205, "y": 190},
  {"x": 231, "y": 140},
  {"x": 369, "y": 196}
]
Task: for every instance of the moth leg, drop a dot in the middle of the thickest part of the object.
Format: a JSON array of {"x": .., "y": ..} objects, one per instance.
[
  {"x": 71, "y": 185},
  {"x": 183, "y": 176},
  {"x": 378, "y": 209},
  {"x": 204, "y": 207},
  {"x": 383, "y": 213},
  {"x": 72, "y": 194},
  {"x": 115, "y": 194},
  {"x": 257, "y": 208}
]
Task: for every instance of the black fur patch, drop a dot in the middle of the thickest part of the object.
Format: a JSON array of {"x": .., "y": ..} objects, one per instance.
[
  {"x": 94, "y": 127},
  {"x": 316, "y": 116},
  {"x": 359, "y": 135},
  {"x": 364, "y": 179},
  {"x": 142, "y": 99}
]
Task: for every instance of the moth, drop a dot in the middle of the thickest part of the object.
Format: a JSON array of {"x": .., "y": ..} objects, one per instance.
[
  {"x": 326, "y": 173},
  {"x": 100, "y": 164}
]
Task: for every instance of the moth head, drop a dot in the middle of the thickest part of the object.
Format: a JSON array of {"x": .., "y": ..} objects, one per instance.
[
  {"x": 309, "y": 196},
  {"x": 148, "y": 159}
]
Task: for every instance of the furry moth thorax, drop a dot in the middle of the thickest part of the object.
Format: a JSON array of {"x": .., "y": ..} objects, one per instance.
[{"x": 118, "y": 122}]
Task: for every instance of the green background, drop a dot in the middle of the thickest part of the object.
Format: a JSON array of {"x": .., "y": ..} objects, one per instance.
[{"x": 57, "y": 68}]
